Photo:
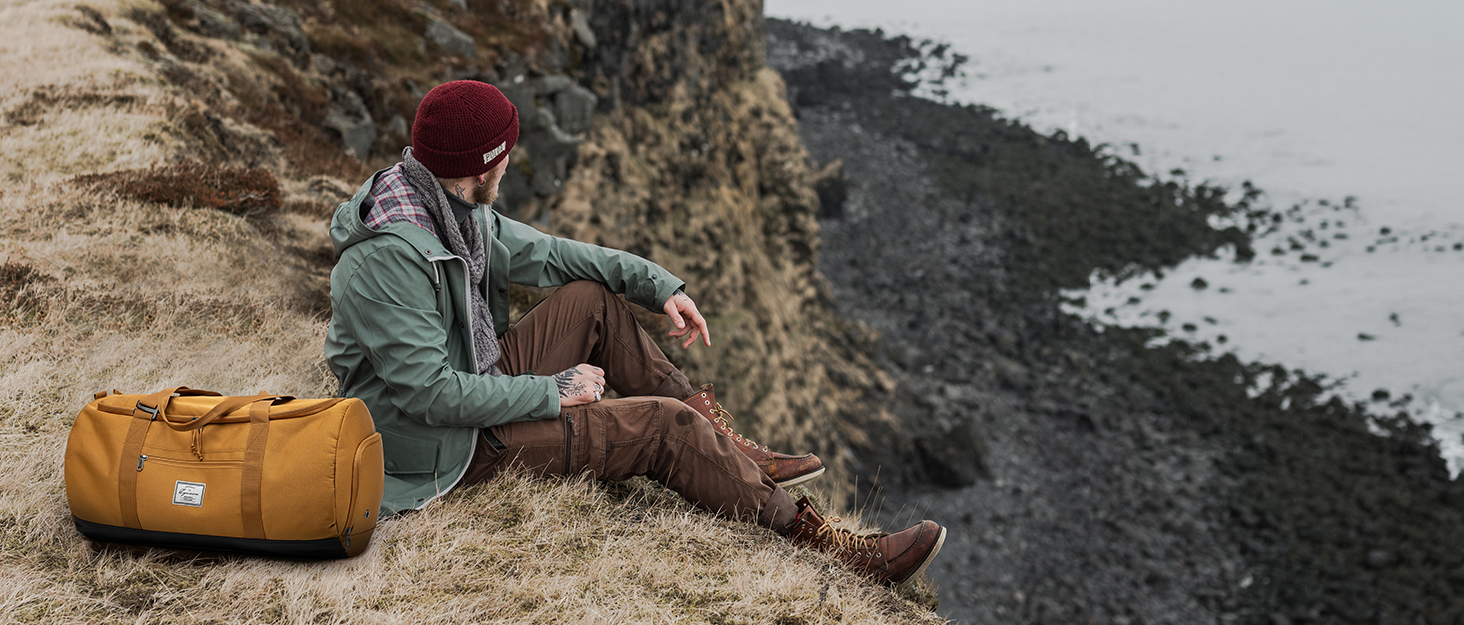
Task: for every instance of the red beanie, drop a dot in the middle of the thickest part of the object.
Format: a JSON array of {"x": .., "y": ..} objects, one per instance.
[{"x": 464, "y": 128}]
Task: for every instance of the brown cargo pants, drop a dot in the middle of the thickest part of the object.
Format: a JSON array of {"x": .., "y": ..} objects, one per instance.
[{"x": 650, "y": 432}]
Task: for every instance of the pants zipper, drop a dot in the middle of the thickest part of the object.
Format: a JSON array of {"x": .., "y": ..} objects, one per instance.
[{"x": 568, "y": 441}]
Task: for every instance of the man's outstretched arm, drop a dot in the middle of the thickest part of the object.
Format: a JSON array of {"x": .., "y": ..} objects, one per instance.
[{"x": 544, "y": 260}]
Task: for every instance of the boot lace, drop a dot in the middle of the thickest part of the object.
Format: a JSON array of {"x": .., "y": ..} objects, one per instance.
[
  {"x": 847, "y": 541},
  {"x": 723, "y": 417}
]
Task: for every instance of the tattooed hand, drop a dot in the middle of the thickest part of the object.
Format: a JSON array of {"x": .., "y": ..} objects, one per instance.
[{"x": 581, "y": 385}]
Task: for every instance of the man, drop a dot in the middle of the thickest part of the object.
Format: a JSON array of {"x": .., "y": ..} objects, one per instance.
[{"x": 419, "y": 333}]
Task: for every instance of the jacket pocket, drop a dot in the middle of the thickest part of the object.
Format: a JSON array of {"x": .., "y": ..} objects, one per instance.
[{"x": 408, "y": 455}]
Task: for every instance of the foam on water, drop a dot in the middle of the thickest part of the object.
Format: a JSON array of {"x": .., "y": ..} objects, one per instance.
[{"x": 1386, "y": 319}]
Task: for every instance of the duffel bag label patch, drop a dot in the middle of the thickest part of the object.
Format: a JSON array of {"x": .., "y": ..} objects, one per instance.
[{"x": 188, "y": 494}]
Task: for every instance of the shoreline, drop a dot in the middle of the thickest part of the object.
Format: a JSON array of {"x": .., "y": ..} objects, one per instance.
[
  {"x": 1115, "y": 482},
  {"x": 1331, "y": 347},
  {"x": 1316, "y": 317}
]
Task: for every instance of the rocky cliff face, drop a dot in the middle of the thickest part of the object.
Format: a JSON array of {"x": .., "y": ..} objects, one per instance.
[{"x": 695, "y": 163}]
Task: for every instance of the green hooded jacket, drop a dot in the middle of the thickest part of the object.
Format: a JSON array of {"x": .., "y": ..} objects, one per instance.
[{"x": 400, "y": 336}]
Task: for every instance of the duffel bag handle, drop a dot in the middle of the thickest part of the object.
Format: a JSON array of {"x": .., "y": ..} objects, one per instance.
[
  {"x": 156, "y": 404},
  {"x": 224, "y": 407}
]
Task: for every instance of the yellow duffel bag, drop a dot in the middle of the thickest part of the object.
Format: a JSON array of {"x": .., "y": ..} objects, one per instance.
[{"x": 191, "y": 469}]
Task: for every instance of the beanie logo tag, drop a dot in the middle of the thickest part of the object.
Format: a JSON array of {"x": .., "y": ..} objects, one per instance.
[{"x": 492, "y": 154}]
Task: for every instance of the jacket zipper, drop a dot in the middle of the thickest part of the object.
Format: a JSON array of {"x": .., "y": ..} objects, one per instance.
[
  {"x": 472, "y": 358},
  {"x": 568, "y": 441},
  {"x": 467, "y": 312},
  {"x": 468, "y": 304}
]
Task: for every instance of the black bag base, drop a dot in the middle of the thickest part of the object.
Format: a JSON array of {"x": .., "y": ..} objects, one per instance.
[{"x": 322, "y": 549}]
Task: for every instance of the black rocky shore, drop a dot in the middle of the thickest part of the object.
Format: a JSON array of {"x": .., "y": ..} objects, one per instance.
[{"x": 1085, "y": 477}]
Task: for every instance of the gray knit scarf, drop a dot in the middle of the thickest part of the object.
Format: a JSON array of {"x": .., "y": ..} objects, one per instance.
[{"x": 465, "y": 242}]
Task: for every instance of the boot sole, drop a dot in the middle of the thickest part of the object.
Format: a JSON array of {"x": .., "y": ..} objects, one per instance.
[
  {"x": 928, "y": 559},
  {"x": 786, "y": 484}
]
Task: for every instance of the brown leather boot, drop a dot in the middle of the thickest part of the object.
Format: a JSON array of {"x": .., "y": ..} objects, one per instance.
[
  {"x": 785, "y": 470},
  {"x": 891, "y": 559}
]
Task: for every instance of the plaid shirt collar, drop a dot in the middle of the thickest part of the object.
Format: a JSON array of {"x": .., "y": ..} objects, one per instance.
[{"x": 394, "y": 200}]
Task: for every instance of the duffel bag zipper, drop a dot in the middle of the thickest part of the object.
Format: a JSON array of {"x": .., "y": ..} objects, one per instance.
[{"x": 188, "y": 463}]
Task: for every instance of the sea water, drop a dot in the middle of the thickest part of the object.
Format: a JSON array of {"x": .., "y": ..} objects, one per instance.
[{"x": 1347, "y": 114}]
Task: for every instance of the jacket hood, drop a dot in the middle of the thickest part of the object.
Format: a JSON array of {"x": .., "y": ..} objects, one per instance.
[{"x": 348, "y": 226}]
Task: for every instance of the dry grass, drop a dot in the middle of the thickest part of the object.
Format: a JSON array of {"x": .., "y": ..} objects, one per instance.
[
  {"x": 70, "y": 105},
  {"x": 238, "y": 190},
  {"x": 119, "y": 268},
  {"x": 513, "y": 550}
]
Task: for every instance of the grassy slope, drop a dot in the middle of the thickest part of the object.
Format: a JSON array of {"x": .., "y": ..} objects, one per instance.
[{"x": 98, "y": 291}]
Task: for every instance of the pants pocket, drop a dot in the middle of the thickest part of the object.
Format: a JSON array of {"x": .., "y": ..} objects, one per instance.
[
  {"x": 493, "y": 442},
  {"x": 538, "y": 446}
]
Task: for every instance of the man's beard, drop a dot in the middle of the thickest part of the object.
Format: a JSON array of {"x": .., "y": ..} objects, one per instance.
[{"x": 487, "y": 193}]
